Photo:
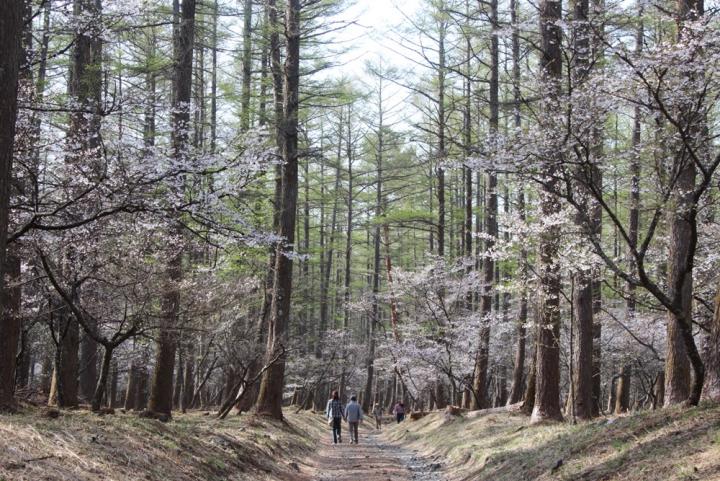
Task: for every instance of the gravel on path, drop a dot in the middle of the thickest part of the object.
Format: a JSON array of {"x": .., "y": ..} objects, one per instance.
[{"x": 372, "y": 459}]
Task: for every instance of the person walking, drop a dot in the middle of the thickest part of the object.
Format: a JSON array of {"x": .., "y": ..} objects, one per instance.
[
  {"x": 354, "y": 416},
  {"x": 334, "y": 413},
  {"x": 377, "y": 413},
  {"x": 399, "y": 411}
]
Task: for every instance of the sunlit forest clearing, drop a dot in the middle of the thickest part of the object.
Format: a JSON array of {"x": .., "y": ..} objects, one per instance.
[{"x": 336, "y": 239}]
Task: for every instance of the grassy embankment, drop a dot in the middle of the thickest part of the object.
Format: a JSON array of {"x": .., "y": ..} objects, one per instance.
[
  {"x": 80, "y": 446},
  {"x": 668, "y": 444}
]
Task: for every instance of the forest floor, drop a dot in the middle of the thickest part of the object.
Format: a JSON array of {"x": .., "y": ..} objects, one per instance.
[
  {"x": 669, "y": 444},
  {"x": 81, "y": 446},
  {"x": 499, "y": 445}
]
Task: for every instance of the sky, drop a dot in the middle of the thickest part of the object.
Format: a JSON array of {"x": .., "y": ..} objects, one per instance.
[{"x": 373, "y": 37}]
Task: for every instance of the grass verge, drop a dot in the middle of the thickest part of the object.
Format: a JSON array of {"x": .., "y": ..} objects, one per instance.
[
  {"x": 668, "y": 444},
  {"x": 79, "y": 446}
]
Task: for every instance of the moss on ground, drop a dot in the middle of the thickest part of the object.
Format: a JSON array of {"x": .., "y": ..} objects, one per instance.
[{"x": 668, "y": 444}]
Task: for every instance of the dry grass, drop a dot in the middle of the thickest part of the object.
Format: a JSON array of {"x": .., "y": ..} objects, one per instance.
[
  {"x": 82, "y": 446},
  {"x": 669, "y": 444}
]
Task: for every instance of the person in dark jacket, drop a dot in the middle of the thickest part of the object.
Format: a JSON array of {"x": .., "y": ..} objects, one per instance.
[
  {"x": 335, "y": 414},
  {"x": 399, "y": 411}
]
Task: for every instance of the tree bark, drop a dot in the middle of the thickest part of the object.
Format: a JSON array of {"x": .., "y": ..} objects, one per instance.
[
  {"x": 326, "y": 267},
  {"x": 622, "y": 390},
  {"x": 188, "y": 382},
  {"x": 349, "y": 228},
  {"x": 481, "y": 400},
  {"x": 441, "y": 135},
  {"x": 64, "y": 387},
  {"x": 246, "y": 65},
  {"x": 271, "y": 387},
  {"x": 547, "y": 392},
  {"x": 582, "y": 392},
  {"x": 179, "y": 375},
  {"x": 102, "y": 380},
  {"x": 711, "y": 389},
  {"x": 114, "y": 376},
  {"x": 516, "y": 389},
  {"x": 529, "y": 394},
  {"x": 131, "y": 389},
  {"x": 374, "y": 320},
  {"x": 682, "y": 353},
  {"x": 677, "y": 362},
  {"x": 161, "y": 392},
  {"x": 88, "y": 366},
  {"x": 659, "y": 391}
]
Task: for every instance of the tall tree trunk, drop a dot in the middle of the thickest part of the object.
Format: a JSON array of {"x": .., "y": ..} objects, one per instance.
[
  {"x": 141, "y": 393},
  {"x": 530, "y": 387},
  {"x": 213, "y": 78},
  {"x": 328, "y": 264},
  {"x": 246, "y": 65},
  {"x": 597, "y": 151},
  {"x": 97, "y": 397},
  {"x": 441, "y": 135},
  {"x": 467, "y": 171},
  {"x": 547, "y": 389},
  {"x": 131, "y": 388},
  {"x": 374, "y": 320},
  {"x": 622, "y": 390},
  {"x": 349, "y": 228},
  {"x": 88, "y": 365},
  {"x": 179, "y": 375},
  {"x": 582, "y": 392},
  {"x": 394, "y": 314},
  {"x": 516, "y": 389},
  {"x": 659, "y": 390},
  {"x": 26, "y": 356},
  {"x": 188, "y": 383},
  {"x": 114, "y": 377},
  {"x": 262, "y": 327},
  {"x": 84, "y": 148},
  {"x": 711, "y": 389},
  {"x": 322, "y": 324},
  {"x": 677, "y": 363},
  {"x": 481, "y": 399},
  {"x": 161, "y": 392},
  {"x": 682, "y": 385},
  {"x": 271, "y": 388},
  {"x": 11, "y": 29},
  {"x": 64, "y": 387}
]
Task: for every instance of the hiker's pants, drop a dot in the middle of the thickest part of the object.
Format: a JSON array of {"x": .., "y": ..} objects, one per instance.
[
  {"x": 337, "y": 428},
  {"x": 354, "y": 431}
]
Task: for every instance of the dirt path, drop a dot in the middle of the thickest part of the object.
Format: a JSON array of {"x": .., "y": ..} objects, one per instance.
[{"x": 373, "y": 459}]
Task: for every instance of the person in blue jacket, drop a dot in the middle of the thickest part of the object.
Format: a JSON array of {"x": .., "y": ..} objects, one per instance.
[{"x": 354, "y": 416}]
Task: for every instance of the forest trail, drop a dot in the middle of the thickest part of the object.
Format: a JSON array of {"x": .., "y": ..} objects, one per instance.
[{"x": 374, "y": 458}]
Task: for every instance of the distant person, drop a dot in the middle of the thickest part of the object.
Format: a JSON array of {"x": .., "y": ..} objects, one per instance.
[
  {"x": 354, "y": 416},
  {"x": 334, "y": 413},
  {"x": 399, "y": 411},
  {"x": 377, "y": 413}
]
